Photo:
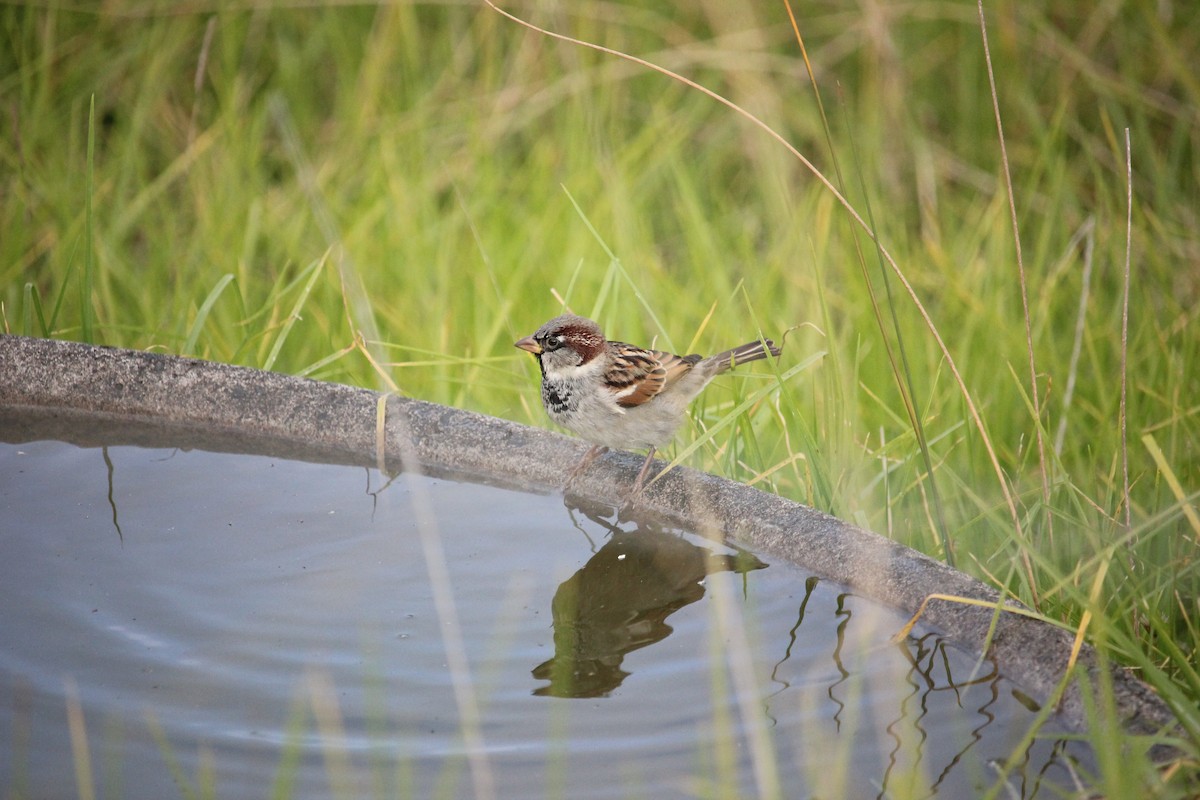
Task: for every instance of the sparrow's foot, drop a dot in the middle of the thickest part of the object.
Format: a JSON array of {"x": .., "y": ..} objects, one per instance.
[{"x": 584, "y": 463}]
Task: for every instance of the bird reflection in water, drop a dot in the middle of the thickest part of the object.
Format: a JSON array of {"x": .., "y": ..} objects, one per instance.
[{"x": 620, "y": 599}]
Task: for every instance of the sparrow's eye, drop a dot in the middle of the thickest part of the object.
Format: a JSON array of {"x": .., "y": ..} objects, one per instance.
[{"x": 553, "y": 342}]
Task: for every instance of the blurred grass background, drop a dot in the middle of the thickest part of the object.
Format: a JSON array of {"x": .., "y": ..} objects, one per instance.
[{"x": 270, "y": 181}]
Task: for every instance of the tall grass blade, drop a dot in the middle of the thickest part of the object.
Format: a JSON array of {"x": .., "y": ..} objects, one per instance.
[
  {"x": 32, "y": 304},
  {"x": 1088, "y": 234},
  {"x": 1016, "y": 233},
  {"x": 283, "y": 787},
  {"x": 86, "y": 323},
  {"x": 1164, "y": 468},
  {"x": 189, "y": 344},
  {"x": 335, "y": 745},
  {"x": 314, "y": 272},
  {"x": 61, "y": 296},
  {"x": 159, "y": 734},
  {"x": 1125, "y": 335}
]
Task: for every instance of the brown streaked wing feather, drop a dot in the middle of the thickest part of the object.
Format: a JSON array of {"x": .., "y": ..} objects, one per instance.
[
  {"x": 668, "y": 368},
  {"x": 636, "y": 375}
]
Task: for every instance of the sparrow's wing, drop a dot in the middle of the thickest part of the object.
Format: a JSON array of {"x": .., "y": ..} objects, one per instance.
[{"x": 639, "y": 375}]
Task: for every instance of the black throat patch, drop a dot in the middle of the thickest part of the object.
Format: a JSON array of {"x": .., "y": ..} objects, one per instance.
[{"x": 555, "y": 400}]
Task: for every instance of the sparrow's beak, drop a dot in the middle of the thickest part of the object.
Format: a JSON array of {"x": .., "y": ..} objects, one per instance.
[{"x": 529, "y": 344}]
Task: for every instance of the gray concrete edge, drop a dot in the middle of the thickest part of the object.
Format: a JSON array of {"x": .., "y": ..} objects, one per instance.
[{"x": 44, "y": 382}]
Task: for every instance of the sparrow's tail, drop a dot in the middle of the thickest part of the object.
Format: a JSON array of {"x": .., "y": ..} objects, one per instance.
[{"x": 751, "y": 351}]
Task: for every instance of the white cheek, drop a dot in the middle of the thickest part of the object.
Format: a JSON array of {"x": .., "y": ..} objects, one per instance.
[{"x": 584, "y": 372}]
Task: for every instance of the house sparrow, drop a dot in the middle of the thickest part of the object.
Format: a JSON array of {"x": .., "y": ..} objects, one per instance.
[{"x": 617, "y": 395}]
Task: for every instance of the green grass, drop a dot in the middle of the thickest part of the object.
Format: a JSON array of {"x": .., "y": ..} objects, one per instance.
[{"x": 262, "y": 183}]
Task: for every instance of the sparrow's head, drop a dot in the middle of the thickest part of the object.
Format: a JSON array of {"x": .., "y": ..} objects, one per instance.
[{"x": 563, "y": 342}]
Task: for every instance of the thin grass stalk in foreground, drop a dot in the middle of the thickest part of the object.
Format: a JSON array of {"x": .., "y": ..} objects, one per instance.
[
  {"x": 1012, "y": 211},
  {"x": 722, "y": 769},
  {"x": 89, "y": 246},
  {"x": 80, "y": 753},
  {"x": 1125, "y": 331},
  {"x": 335, "y": 745},
  {"x": 1088, "y": 235},
  {"x": 1002, "y": 480},
  {"x": 283, "y": 787},
  {"x": 457, "y": 662},
  {"x": 907, "y": 389},
  {"x": 159, "y": 734},
  {"x": 747, "y": 693}
]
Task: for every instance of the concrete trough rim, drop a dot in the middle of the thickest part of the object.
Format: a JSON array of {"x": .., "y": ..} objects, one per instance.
[{"x": 47, "y": 385}]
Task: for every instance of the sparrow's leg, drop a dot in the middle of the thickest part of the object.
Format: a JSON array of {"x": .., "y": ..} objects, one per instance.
[
  {"x": 584, "y": 463},
  {"x": 641, "y": 476}
]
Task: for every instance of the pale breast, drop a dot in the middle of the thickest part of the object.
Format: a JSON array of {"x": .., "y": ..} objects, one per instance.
[{"x": 600, "y": 420}]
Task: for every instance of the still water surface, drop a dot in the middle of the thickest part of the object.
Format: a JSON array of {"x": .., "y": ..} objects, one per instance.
[{"x": 272, "y": 625}]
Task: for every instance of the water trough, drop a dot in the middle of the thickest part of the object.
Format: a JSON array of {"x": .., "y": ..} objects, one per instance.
[{"x": 48, "y": 387}]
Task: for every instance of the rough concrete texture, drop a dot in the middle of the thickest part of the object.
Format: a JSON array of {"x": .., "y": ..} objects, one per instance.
[{"x": 47, "y": 386}]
